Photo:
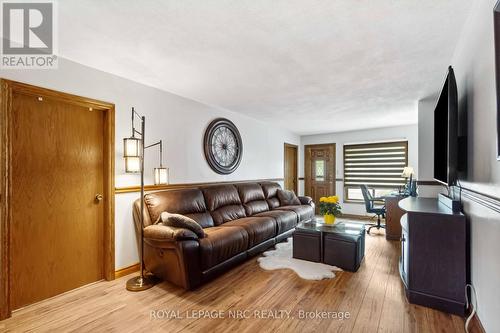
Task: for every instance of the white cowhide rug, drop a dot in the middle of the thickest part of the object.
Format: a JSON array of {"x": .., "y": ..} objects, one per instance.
[{"x": 281, "y": 258}]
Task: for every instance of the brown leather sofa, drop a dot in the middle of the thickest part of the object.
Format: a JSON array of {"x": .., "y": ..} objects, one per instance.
[{"x": 239, "y": 221}]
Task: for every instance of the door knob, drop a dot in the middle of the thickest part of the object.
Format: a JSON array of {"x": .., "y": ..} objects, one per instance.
[{"x": 98, "y": 197}]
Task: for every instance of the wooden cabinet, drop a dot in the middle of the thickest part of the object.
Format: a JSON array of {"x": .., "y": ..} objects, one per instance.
[{"x": 433, "y": 263}]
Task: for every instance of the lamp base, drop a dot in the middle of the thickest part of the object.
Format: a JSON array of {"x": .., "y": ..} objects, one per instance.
[{"x": 139, "y": 283}]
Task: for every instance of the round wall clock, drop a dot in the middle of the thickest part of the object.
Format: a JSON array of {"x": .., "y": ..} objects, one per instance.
[{"x": 223, "y": 146}]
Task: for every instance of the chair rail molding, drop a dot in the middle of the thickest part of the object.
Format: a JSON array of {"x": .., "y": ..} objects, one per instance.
[
  {"x": 480, "y": 198},
  {"x": 137, "y": 188}
]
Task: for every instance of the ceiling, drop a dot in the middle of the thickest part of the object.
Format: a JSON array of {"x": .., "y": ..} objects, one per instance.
[{"x": 309, "y": 66}]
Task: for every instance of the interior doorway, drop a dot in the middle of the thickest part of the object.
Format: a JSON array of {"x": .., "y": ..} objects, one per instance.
[
  {"x": 57, "y": 193},
  {"x": 319, "y": 171},
  {"x": 291, "y": 167}
]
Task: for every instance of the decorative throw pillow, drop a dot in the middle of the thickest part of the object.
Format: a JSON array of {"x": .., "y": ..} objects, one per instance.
[
  {"x": 181, "y": 221},
  {"x": 288, "y": 198}
]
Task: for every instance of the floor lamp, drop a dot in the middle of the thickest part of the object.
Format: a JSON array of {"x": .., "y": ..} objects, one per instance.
[{"x": 133, "y": 152}]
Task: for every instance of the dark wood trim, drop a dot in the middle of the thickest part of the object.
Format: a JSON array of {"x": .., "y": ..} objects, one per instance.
[
  {"x": 127, "y": 270},
  {"x": 429, "y": 183},
  {"x": 336, "y": 179},
  {"x": 7, "y": 89},
  {"x": 130, "y": 189},
  {"x": 296, "y": 176}
]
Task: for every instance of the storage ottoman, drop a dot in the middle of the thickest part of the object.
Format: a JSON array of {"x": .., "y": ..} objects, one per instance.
[
  {"x": 341, "y": 244},
  {"x": 344, "y": 250}
]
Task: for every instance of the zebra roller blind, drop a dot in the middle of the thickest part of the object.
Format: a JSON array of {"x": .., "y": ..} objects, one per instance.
[{"x": 378, "y": 165}]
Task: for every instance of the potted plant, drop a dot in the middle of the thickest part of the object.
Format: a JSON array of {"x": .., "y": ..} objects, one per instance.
[{"x": 329, "y": 207}]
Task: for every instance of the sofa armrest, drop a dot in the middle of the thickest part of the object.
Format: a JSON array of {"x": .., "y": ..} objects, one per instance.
[
  {"x": 305, "y": 200},
  {"x": 167, "y": 233},
  {"x": 173, "y": 254}
]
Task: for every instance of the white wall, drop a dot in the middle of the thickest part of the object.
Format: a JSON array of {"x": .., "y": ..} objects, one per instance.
[
  {"x": 426, "y": 108},
  {"x": 179, "y": 121},
  {"x": 409, "y": 132},
  {"x": 474, "y": 66}
]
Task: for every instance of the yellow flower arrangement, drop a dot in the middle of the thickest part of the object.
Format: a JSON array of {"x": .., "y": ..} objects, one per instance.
[
  {"x": 329, "y": 207},
  {"x": 332, "y": 199}
]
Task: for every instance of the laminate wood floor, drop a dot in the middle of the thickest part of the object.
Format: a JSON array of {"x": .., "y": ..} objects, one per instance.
[{"x": 373, "y": 297}]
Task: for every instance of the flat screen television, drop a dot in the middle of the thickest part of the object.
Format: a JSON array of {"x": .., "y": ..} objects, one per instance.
[{"x": 446, "y": 132}]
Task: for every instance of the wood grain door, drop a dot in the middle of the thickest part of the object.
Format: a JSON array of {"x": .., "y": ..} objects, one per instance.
[
  {"x": 291, "y": 173},
  {"x": 319, "y": 171},
  {"x": 57, "y": 221}
]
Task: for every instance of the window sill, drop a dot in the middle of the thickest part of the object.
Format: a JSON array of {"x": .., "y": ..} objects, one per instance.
[
  {"x": 361, "y": 202},
  {"x": 354, "y": 202}
]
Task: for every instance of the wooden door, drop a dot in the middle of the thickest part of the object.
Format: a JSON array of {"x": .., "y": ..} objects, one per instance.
[
  {"x": 57, "y": 222},
  {"x": 319, "y": 171},
  {"x": 291, "y": 173}
]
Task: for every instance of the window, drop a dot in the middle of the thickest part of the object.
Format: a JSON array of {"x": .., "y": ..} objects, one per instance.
[
  {"x": 319, "y": 170},
  {"x": 378, "y": 165}
]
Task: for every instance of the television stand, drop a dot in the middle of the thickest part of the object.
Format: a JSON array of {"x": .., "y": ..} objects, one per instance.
[{"x": 433, "y": 263}]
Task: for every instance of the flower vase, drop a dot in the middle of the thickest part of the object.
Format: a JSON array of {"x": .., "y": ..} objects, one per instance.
[{"x": 329, "y": 218}]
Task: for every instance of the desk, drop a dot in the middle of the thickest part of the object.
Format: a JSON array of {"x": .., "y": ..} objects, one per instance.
[{"x": 393, "y": 216}]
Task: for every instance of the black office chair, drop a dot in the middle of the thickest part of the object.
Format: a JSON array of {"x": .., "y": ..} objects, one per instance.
[{"x": 372, "y": 208}]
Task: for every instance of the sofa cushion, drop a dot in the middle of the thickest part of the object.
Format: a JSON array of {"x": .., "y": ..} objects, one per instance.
[
  {"x": 220, "y": 244},
  {"x": 188, "y": 202},
  {"x": 271, "y": 193},
  {"x": 304, "y": 212},
  {"x": 224, "y": 203},
  {"x": 288, "y": 198},
  {"x": 181, "y": 221},
  {"x": 252, "y": 198},
  {"x": 305, "y": 200},
  {"x": 285, "y": 220},
  {"x": 259, "y": 229}
]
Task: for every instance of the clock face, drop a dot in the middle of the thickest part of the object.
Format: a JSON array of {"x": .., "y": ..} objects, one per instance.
[{"x": 223, "y": 147}]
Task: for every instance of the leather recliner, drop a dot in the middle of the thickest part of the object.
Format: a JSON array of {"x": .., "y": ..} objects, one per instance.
[{"x": 239, "y": 220}]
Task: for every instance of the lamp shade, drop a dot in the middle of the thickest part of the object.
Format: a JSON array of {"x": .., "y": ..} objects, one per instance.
[
  {"x": 132, "y": 147},
  {"x": 132, "y": 164},
  {"x": 407, "y": 172},
  {"x": 161, "y": 176}
]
